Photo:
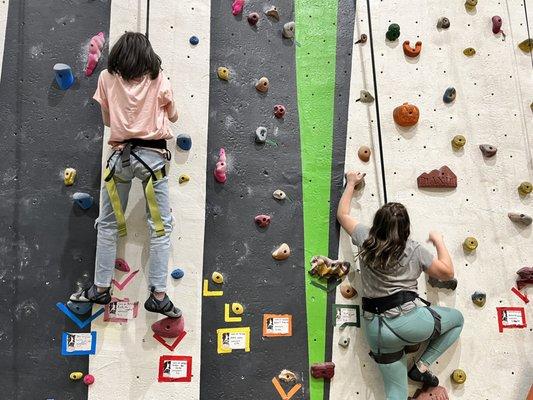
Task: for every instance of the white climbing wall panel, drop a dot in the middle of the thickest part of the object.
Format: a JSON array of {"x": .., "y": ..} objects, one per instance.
[
  {"x": 493, "y": 95},
  {"x": 4, "y": 6},
  {"x": 127, "y": 358}
]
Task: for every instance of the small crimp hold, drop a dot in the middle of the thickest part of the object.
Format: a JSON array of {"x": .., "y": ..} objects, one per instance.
[
  {"x": 393, "y": 32},
  {"x": 169, "y": 327},
  {"x": 273, "y": 12},
  {"x": 325, "y": 267},
  {"x": 282, "y": 252},
  {"x": 459, "y": 376},
  {"x": 449, "y": 95},
  {"x": 262, "y": 85},
  {"x": 261, "y": 134},
  {"x": 344, "y": 341},
  {"x": 458, "y": 142},
  {"x": 279, "y": 111},
  {"x": 253, "y": 18},
  {"x": 479, "y": 298},
  {"x": 362, "y": 39},
  {"x": 221, "y": 167},
  {"x": 348, "y": 291},
  {"x": 469, "y": 51},
  {"x": 237, "y": 6},
  {"x": 470, "y": 243},
  {"x": 237, "y": 308},
  {"x": 324, "y": 370},
  {"x": 287, "y": 376},
  {"x": 184, "y": 141},
  {"x": 76, "y": 376},
  {"x": 409, "y": 51},
  {"x": 279, "y": 194},
  {"x": 69, "y": 176},
  {"x": 262, "y": 220},
  {"x": 288, "y": 30},
  {"x": 223, "y": 73},
  {"x": 520, "y": 218},
  {"x": 184, "y": 178},
  {"x": 364, "y": 153},
  {"x": 217, "y": 277},
  {"x": 488, "y": 150},
  {"x": 365, "y": 97},
  {"x": 470, "y": 5},
  {"x": 177, "y": 273},
  {"x": 443, "y": 23},
  {"x": 451, "y": 284},
  {"x": 83, "y": 200},
  {"x": 525, "y": 188}
]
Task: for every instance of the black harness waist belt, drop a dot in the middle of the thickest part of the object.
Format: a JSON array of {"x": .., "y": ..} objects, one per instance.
[{"x": 379, "y": 305}]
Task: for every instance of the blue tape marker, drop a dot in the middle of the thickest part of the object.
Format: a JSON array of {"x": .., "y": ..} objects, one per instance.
[
  {"x": 81, "y": 324},
  {"x": 66, "y": 336}
]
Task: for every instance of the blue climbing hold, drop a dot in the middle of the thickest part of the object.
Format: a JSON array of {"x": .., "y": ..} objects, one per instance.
[
  {"x": 83, "y": 200},
  {"x": 177, "y": 273},
  {"x": 79, "y": 308},
  {"x": 194, "y": 40},
  {"x": 64, "y": 77},
  {"x": 184, "y": 141},
  {"x": 449, "y": 95}
]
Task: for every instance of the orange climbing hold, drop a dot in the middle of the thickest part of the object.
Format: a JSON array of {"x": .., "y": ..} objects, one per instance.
[
  {"x": 406, "y": 114},
  {"x": 409, "y": 51},
  {"x": 169, "y": 327}
]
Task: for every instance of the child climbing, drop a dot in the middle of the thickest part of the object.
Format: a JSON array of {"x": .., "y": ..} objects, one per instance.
[
  {"x": 136, "y": 102},
  {"x": 395, "y": 319}
]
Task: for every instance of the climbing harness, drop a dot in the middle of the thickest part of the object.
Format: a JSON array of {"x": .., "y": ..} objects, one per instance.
[
  {"x": 379, "y": 305},
  {"x": 111, "y": 180}
]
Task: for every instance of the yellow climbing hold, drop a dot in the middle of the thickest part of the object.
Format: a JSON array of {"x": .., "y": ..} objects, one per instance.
[
  {"x": 470, "y": 5},
  {"x": 459, "y": 376},
  {"x": 223, "y": 73},
  {"x": 470, "y": 243},
  {"x": 525, "y": 188},
  {"x": 526, "y": 45},
  {"x": 184, "y": 178},
  {"x": 69, "y": 176},
  {"x": 237, "y": 308},
  {"x": 469, "y": 51},
  {"x": 217, "y": 277},
  {"x": 458, "y": 142},
  {"x": 76, "y": 376}
]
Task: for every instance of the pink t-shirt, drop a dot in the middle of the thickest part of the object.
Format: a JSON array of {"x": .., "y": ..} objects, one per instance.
[{"x": 137, "y": 108}]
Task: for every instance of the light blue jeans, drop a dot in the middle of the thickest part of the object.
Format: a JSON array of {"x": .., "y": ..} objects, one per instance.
[{"x": 106, "y": 247}]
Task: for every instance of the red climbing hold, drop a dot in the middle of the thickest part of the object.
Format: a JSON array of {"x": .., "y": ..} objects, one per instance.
[
  {"x": 237, "y": 6},
  {"x": 525, "y": 277},
  {"x": 169, "y": 327},
  {"x": 88, "y": 379},
  {"x": 279, "y": 111},
  {"x": 323, "y": 370},
  {"x": 262, "y": 220},
  {"x": 122, "y": 265}
]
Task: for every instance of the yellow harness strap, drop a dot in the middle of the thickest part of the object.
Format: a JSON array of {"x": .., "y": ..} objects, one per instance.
[
  {"x": 115, "y": 203},
  {"x": 152, "y": 204}
]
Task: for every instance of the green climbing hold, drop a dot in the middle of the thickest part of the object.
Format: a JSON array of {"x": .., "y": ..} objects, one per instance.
[
  {"x": 526, "y": 45},
  {"x": 393, "y": 33}
]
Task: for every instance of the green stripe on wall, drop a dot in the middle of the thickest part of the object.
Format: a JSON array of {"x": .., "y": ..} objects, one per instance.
[{"x": 316, "y": 35}]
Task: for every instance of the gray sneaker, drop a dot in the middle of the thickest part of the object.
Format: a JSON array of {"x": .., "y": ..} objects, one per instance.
[
  {"x": 91, "y": 295},
  {"x": 165, "y": 306}
]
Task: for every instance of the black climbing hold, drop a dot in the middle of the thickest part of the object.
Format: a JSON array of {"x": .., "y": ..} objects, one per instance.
[
  {"x": 184, "y": 141},
  {"x": 194, "y": 40}
]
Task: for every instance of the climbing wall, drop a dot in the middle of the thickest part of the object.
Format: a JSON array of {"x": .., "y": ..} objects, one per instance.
[{"x": 492, "y": 106}]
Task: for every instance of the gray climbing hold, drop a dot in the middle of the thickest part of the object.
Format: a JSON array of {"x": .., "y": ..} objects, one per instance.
[
  {"x": 365, "y": 97},
  {"x": 451, "y": 284},
  {"x": 261, "y": 134},
  {"x": 273, "y": 12},
  {"x": 449, "y": 95},
  {"x": 279, "y": 194},
  {"x": 443, "y": 23},
  {"x": 288, "y": 30},
  {"x": 488, "y": 150},
  {"x": 520, "y": 218},
  {"x": 479, "y": 298},
  {"x": 344, "y": 341}
]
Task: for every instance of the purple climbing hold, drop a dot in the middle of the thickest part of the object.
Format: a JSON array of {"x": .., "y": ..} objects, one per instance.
[
  {"x": 497, "y": 23},
  {"x": 253, "y": 18}
]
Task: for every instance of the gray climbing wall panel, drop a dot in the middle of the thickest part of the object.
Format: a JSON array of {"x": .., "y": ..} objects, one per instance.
[{"x": 46, "y": 245}]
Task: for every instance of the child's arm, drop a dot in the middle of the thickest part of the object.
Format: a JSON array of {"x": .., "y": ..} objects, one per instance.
[
  {"x": 105, "y": 117},
  {"x": 343, "y": 211},
  {"x": 172, "y": 111}
]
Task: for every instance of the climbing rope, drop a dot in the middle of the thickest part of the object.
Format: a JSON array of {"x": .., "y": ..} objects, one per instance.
[
  {"x": 374, "y": 76},
  {"x": 147, "y": 18}
]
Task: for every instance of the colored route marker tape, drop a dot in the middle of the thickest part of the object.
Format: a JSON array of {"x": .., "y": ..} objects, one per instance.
[
  {"x": 81, "y": 324},
  {"x": 210, "y": 293},
  {"x": 522, "y": 296},
  {"x": 125, "y": 281},
  {"x": 281, "y": 391},
  {"x": 174, "y": 344}
]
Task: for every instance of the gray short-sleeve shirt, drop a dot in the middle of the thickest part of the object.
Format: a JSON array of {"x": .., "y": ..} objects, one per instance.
[{"x": 375, "y": 283}]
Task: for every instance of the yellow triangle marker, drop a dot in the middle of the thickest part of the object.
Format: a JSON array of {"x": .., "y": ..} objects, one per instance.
[
  {"x": 227, "y": 317},
  {"x": 211, "y": 293}
]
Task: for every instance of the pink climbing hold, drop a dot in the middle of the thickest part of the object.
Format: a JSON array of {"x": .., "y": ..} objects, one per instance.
[
  {"x": 122, "y": 265},
  {"x": 237, "y": 6},
  {"x": 221, "y": 167},
  {"x": 279, "y": 111},
  {"x": 262, "y": 220},
  {"x": 169, "y": 327},
  {"x": 88, "y": 379},
  {"x": 95, "y": 49}
]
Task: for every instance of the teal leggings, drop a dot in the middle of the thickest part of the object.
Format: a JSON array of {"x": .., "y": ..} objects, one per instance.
[{"x": 416, "y": 326}]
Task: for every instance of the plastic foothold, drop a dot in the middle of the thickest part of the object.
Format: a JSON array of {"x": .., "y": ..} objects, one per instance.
[
  {"x": 409, "y": 51},
  {"x": 470, "y": 243},
  {"x": 64, "y": 77},
  {"x": 348, "y": 291},
  {"x": 69, "y": 176},
  {"x": 237, "y": 308},
  {"x": 279, "y": 194},
  {"x": 449, "y": 95},
  {"x": 273, "y": 12},
  {"x": 184, "y": 141},
  {"x": 262, "y": 220},
  {"x": 520, "y": 218},
  {"x": 83, "y": 200},
  {"x": 470, "y": 5},
  {"x": 362, "y": 39},
  {"x": 497, "y": 23},
  {"x": 479, "y": 298},
  {"x": 525, "y": 188},
  {"x": 223, "y": 73},
  {"x": 262, "y": 85},
  {"x": 95, "y": 50},
  {"x": 458, "y": 142},
  {"x": 488, "y": 150},
  {"x": 287, "y": 376},
  {"x": 279, "y": 111},
  {"x": 443, "y": 23},
  {"x": 526, "y": 45},
  {"x": 237, "y": 6},
  {"x": 122, "y": 265},
  {"x": 325, "y": 267},
  {"x": 177, "y": 273},
  {"x": 364, "y": 153},
  {"x": 324, "y": 370},
  {"x": 393, "y": 32},
  {"x": 365, "y": 97},
  {"x": 88, "y": 379},
  {"x": 344, "y": 341},
  {"x": 282, "y": 252},
  {"x": 525, "y": 277},
  {"x": 194, "y": 40},
  {"x": 451, "y": 284},
  {"x": 169, "y": 327},
  {"x": 261, "y": 134},
  {"x": 217, "y": 277},
  {"x": 221, "y": 167},
  {"x": 438, "y": 178},
  {"x": 288, "y": 30},
  {"x": 76, "y": 376},
  {"x": 406, "y": 114},
  {"x": 79, "y": 308},
  {"x": 184, "y": 179},
  {"x": 253, "y": 18},
  {"x": 431, "y": 393},
  {"x": 469, "y": 51},
  {"x": 459, "y": 376}
]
